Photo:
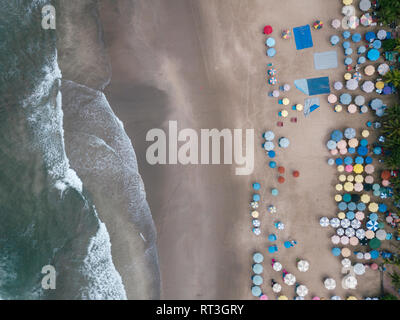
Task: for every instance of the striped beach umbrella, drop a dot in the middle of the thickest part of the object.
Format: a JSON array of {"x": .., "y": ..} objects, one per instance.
[
  {"x": 272, "y": 81},
  {"x": 372, "y": 225}
]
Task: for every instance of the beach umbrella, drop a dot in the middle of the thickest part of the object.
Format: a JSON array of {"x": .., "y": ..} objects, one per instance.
[
  {"x": 302, "y": 291},
  {"x": 373, "y": 54},
  {"x": 350, "y": 282},
  {"x": 268, "y": 30},
  {"x": 366, "y": 20},
  {"x": 358, "y": 187},
  {"x": 336, "y": 298},
  {"x": 255, "y": 214},
  {"x": 359, "y": 269},
  {"x": 335, "y": 239},
  {"x": 263, "y": 297},
  {"x": 377, "y": 44},
  {"x": 257, "y": 280},
  {"x": 354, "y": 241},
  {"x": 381, "y": 234},
  {"x": 254, "y": 205},
  {"x": 370, "y": 36},
  {"x": 383, "y": 69},
  {"x": 350, "y": 232},
  {"x": 272, "y": 72},
  {"x": 257, "y": 231},
  {"x": 387, "y": 90},
  {"x": 350, "y": 133},
  {"x": 345, "y": 223},
  {"x": 356, "y": 37},
  {"x": 271, "y": 52},
  {"x": 335, "y": 40},
  {"x": 338, "y": 85},
  {"x": 361, "y": 60},
  {"x": 360, "y": 234},
  {"x": 346, "y": 263},
  {"x": 258, "y": 257},
  {"x": 352, "y": 84},
  {"x": 336, "y": 252},
  {"x": 332, "y": 98},
  {"x": 369, "y": 70},
  {"x": 283, "y": 298},
  {"x": 344, "y": 240},
  {"x": 289, "y": 279},
  {"x": 272, "y": 209},
  {"x": 348, "y": 10},
  {"x": 330, "y": 284},
  {"x": 373, "y": 207},
  {"x": 286, "y": 34},
  {"x": 379, "y": 85},
  {"x": 357, "y": 76},
  {"x": 272, "y": 81},
  {"x": 318, "y": 25},
  {"x": 276, "y": 288},
  {"x": 269, "y": 146},
  {"x": 270, "y": 42},
  {"x": 256, "y": 223},
  {"x": 353, "y": 22},
  {"x": 276, "y": 93},
  {"x": 374, "y": 243},
  {"x": 346, "y": 252},
  {"x": 376, "y": 104},
  {"x": 284, "y": 143},
  {"x": 360, "y": 255},
  {"x": 369, "y": 234},
  {"x": 286, "y": 87},
  {"x": 335, "y": 223},
  {"x": 336, "y": 23},
  {"x": 257, "y": 268},
  {"x": 368, "y": 86},
  {"x": 272, "y": 238},
  {"x": 359, "y": 100},
  {"x": 337, "y": 135},
  {"x": 382, "y": 34},
  {"x": 340, "y": 232},
  {"x": 361, "y": 50},
  {"x": 345, "y": 99},
  {"x": 351, "y": 298},
  {"x": 277, "y": 266},
  {"x": 256, "y": 291},
  {"x": 303, "y": 265},
  {"x": 372, "y": 225},
  {"x": 348, "y": 61},
  {"x": 369, "y": 168},
  {"x": 269, "y": 136},
  {"x": 365, "y": 5}
]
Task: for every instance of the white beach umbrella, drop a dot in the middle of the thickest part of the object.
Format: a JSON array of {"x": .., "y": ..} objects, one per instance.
[
  {"x": 269, "y": 146},
  {"x": 303, "y": 265},
  {"x": 324, "y": 222},
  {"x": 350, "y": 232},
  {"x": 299, "y": 298},
  {"x": 336, "y": 23},
  {"x": 338, "y": 85},
  {"x": 382, "y": 34},
  {"x": 345, "y": 223},
  {"x": 381, "y": 234},
  {"x": 335, "y": 223},
  {"x": 365, "y": 5},
  {"x": 359, "y": 100},
  {"x": 348, "y": 11},
  {"x": 277, "y": 266},
  {"x": 368, "y": 86},
  {"x": 349, "y": 282},
  {"x": 359, "y": 269},
  {"x": 336, "y": 298},
  {"x": 257, "y": 231},
  {"x": 346, "y": 263},
  {"x": 345, "y": 23},
  {"x": 383, "y": 69},
  {"x": 335, "y": 239},
  {"x": 356, "y": 224},
  {"x": 290, "y": 279},
  {"x": 254, "y": 205},
  {"x": 340, "y": 232},
  {"x": 302, "y": 291},
  {"x": 352, "y": 84},
  {"x": 360, "y": 234},
  {"x": 330, "y": 284},
  {"x": 360, "y": 255},
  {"x": 276, "y": 288}
]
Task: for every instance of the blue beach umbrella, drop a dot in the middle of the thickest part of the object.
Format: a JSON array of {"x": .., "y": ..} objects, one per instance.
[
  {"x": 382, "y": 208},
  {"x": 377, "y": 44},
  {"x": 350, "y": 215},
  {"x": 271, "y": 154},
  {"x": 377, "y": 151},
  {"x": 373, "y": 217},
  {"x": 272, "y": 238},
  {"x": 348, "y": 61},
  {"x": 256, "y": 186},
  {"x": 361, "y": 206},
  {"x": 339, "y": 161},
  {"x": 350, "y": 133},
  {"x": 275, "y": 192},
  {"x": 331, "y": 144},
  {"x": 271, "y": 52},
  {"x": 256, "y": 291},
  {"x": 348, "y": 51},
  {"x": 270, "y": 42},
  {"x": 256, "y": 197},
  {"x": 335, "y": 40},
  {"x": 272, "y": 164},
  {"x": 368, "y": 160},
  {"x": 356, "y": 37},
  {"x": 348, "y": 160},
  {"x": 372, "y": 225},
  {"x": 359, "y": 160},
  {"x": 376, "y": 104},
  {"x": 373, "y": 54},
  {"x": 258, "y": 268},
  {"x": 337, "y": 135},
  {"x": 272, "y": 249},
  {"x": 257, "y": 280},
  {"x": 363, "y": 142},
  {"x": 346, "y": 34},
  {"x": 374, "y": 254},
  {"x": 370, "y": 36},
  {"x": 346, "y": 45},
  {"x": 361, "y": 60},
  {"x": 342, "y": 206},
  {"x": 336, "y": 252},
  {"x": 347, "y": 197},
  {"x": 361, "y": 50},
  {"x": 258, "y": 257},
  {"x": 352, "y": 206},
  {"x": 362, "y": 151},
  {"x": 345, "y": 99},
  {"x": 351, "y": 150}
]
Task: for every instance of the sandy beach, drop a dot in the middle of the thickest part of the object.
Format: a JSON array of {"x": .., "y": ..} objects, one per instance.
[{"x": 203, "y": 64}]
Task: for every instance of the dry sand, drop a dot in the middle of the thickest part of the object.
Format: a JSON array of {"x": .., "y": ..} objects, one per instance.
[{"x": 203, "y": 63}]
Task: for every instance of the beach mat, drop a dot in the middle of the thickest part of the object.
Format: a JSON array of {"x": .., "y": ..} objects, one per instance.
[
  {"x": 325, "y": 60},
  {"x": 311, "y": 105},
  {"x": 303, "y": 37},
  {"x": 314, "y": 86}
]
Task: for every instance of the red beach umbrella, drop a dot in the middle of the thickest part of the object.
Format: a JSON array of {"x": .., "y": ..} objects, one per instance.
[
  {"x": 281, "y": 170},
  {"x": 281, "y": 180},
  {"x": 268, "y": 30}
]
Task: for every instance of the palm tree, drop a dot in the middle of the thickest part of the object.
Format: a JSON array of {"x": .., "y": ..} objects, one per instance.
[
  {"x": 395, "y": 280},
  {"x": 393, "y": 77}
]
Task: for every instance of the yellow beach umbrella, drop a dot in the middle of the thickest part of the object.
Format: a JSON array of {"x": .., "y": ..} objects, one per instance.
[
  {"x": 299, "y": 107},
  {"x": 347, "y": 76},
  {"x": 365, "y": 133},
  {"x": 339, "y": 187},
  {"x": 352, "y": 298},
  {"x": 342, "y": 178},
  {"x": 350, "y": 178},
  {"x": 338, "y": 108},
  {"x": 340, "y": 168},
  {"x": 341, "y": 215},
  {"x": 358, "y": 168},
  {"x": 284, "y": 113},
  {"x": 338, "y": 198},
  {"x": 349, "y": 186},
  {"x": 365, "y": 198},
  {"x": 359, "y": 178},
  {"x": 347, "y": 2},
  {"x": 285, "y": 101},
  {"x": 255, "y": 214},
  {"x": 380, "y": 85},
  {"x": 373, "y": 207},
  {"x": 283, "y": 298}
]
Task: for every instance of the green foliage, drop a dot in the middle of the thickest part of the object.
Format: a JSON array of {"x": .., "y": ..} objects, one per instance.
[
  {"x": 389, "y": 44},
  {"x": 389, "y": 11},
  {"x": 395, "y": 280},
  {"x": 388, "y": 297},
  {"x": 393, "y": 77}
]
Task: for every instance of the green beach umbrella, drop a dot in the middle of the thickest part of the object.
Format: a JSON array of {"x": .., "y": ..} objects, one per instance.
[{"x": 374, "y": 243}]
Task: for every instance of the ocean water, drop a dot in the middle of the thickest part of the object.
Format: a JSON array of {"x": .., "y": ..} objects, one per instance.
[{"x": 46, "y": 216}]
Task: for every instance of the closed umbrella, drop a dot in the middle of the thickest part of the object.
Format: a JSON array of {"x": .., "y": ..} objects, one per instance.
[
  {"x": 289, "y": 279},
  {"x": 276, "y": 288},
  {"x": 301, "y": 291},
  {"x": 303, "y": 265},
  {"x": 330, "y": 284}
]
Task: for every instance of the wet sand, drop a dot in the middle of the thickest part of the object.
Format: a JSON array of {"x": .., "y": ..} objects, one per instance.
[{"x": 203, "y": 64}]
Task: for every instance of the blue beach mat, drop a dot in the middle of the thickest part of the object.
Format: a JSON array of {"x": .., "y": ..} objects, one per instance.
[
  {"x": 325, "y": 60},
  {"x": 311, "y": 105},
  {"x": 313, "y": 86},
  {"x": 303, "y": 38}
]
